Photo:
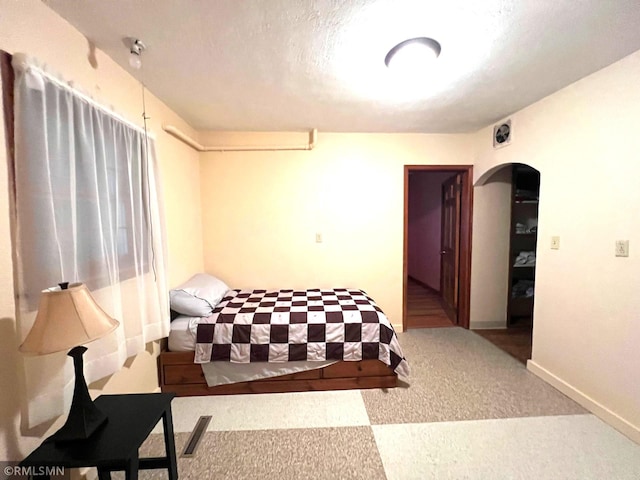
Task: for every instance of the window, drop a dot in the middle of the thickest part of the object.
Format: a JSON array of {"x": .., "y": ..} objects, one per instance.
[{"x": 85, "y": 208}]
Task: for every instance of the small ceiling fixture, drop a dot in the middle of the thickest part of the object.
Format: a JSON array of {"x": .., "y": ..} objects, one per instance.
[
  {"x": 413, "y": 56},
  {"x": 135, "y": 53}
]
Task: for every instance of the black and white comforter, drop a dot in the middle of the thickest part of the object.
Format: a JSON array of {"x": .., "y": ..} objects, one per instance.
[{"x": 289, "y": 325}]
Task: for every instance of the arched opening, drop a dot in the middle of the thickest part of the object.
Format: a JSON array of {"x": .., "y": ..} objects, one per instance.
[{"x": 511, "y": 195}]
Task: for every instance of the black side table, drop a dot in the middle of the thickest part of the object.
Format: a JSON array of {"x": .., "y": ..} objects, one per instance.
[{"x": 114, "y": 446}]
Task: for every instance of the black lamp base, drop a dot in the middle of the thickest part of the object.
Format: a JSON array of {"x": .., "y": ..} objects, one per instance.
[{"x": 84, "y": 417}]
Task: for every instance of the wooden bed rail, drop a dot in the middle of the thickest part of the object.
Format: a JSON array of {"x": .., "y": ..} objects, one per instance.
[{"x": 178, "y": 374}]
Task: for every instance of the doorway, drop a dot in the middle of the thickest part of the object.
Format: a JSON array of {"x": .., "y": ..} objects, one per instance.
[
  {"x": 437, "y": 245},
  {"x": 516, "y": 194}
]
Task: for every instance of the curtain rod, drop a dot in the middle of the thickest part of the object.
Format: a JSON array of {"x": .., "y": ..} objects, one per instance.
[
  {"x": 183, "y": 137},
  {"x": 24, "y": 62}
]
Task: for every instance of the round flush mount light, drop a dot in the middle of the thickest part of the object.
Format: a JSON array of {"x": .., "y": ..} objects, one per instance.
[{"x": 413, "y": 56}]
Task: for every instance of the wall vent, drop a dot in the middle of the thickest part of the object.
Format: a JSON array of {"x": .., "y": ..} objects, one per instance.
[{"x": 502, "y": 134}]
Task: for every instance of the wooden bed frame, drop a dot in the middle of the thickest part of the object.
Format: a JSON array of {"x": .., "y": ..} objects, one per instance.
[{"x": 178, "y": 374}]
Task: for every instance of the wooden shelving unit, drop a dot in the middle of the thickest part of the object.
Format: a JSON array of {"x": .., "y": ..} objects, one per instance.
[{"x": 523, "y": 240}]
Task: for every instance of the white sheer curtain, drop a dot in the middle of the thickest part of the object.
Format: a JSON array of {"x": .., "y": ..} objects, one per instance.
[{"x": 87, "y": 209}]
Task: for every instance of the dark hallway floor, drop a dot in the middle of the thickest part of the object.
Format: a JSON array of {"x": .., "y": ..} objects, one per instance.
[
  {"x": 424, "y": 308},
  {"x": 515, "y": 340}
]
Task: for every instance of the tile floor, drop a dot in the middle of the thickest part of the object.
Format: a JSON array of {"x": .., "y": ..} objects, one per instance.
[{"x": 471, "y": 412}]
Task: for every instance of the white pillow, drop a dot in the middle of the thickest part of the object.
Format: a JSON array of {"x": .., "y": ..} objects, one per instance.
[{"x": 198, "y": 296}]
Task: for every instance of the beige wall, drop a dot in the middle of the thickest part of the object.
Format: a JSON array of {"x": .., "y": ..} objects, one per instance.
[
  {"x": 29, "y": 26},
  {"x": 261, "y": 210},
  {"x": 490, "y": 251},
  {"x": 585, "y": 141}
]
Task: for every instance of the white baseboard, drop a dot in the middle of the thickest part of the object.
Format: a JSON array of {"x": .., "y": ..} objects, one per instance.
[
  {"x": 156, "y": 390},
  {"x": 609, "y": 417}
]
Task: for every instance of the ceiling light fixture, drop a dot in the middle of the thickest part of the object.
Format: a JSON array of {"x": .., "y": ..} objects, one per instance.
[
  {"x": 413, "y": 56},
  {"x": 135, "y": 53}
]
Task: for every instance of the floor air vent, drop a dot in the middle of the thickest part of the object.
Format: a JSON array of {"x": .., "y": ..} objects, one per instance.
[{"x": 196, "y": 436}]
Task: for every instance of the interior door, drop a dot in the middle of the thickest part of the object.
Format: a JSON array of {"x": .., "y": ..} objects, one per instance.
[{"x": 450, "y": 243}]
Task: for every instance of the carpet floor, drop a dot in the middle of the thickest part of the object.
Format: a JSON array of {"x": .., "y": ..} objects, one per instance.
[{"x": 470, "y": 411}]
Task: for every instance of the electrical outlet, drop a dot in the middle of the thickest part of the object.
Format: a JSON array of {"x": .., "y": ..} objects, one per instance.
[
  {"x": 318, "y": 237},
  {"x": 622, "y": 248},
  {"x": 555, "y": 243}
]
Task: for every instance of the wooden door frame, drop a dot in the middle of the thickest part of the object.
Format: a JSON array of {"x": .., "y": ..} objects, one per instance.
[{"x": 466, "y": 226}]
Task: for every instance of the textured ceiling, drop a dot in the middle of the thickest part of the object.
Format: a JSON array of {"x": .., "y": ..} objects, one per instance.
[{"x": 288, "y": 65}]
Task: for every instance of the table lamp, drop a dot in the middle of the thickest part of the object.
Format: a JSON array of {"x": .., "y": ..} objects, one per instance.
[{"x": 69, "y": 317}]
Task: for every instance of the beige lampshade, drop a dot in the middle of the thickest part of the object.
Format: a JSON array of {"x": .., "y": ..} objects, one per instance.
[{"x": 66, "y": 318}]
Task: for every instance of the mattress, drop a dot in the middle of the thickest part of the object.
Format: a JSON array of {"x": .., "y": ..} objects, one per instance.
[{"x": 182, "y": 336}]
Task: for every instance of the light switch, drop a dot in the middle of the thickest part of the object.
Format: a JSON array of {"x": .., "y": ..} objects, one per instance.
[
  {"x": 555, "y": 243},
  {"x": 318, "y": 237}
]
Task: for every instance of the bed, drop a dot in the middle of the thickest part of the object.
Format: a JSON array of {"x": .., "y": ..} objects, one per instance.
[{"x": 270, "y": 341}]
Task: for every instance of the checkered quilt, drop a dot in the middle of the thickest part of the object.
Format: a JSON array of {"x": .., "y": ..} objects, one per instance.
[{"x": 289, "y": 325}]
